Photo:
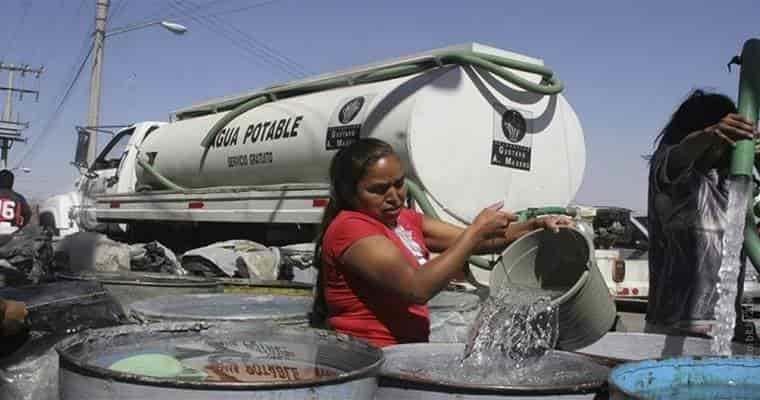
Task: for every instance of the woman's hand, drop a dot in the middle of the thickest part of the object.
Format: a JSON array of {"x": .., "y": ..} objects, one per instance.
[
  {"x": 13, "y": 320},
  {"x": 733, "y": 127},
  {"x": 492, "y": 222},
  {"x": 554, "y": 222},
  {"x": 15, "y": 310}
]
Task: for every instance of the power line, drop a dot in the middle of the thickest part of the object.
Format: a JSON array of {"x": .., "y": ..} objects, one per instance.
[
  {"x": 207, "y": 4},
  {"x": 79, "y": 55},
  {"x": 266, "y": 49},
  {"x": 118, "y": 9},
  {"x": 49, "y": 124},
  {"x": 255, "y": 56},
  {"x": 250, "y": 49},
  {"x": 235, "y": 10},
  {"x": 14, "y": 33}
]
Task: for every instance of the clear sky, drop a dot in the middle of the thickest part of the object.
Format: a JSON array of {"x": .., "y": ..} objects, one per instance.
[{"x": 625, "y": 64}]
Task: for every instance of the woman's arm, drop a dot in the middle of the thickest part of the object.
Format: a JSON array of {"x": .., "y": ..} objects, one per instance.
[
  {"x": 440, "y": 235},
  {"x": 378, "y": 261},
  {"x": 705, "y": 147}
]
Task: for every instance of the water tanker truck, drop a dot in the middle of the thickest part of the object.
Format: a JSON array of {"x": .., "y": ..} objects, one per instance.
[{"x": 472, "y": 124}]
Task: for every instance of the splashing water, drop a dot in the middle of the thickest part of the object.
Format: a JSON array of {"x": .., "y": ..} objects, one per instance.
[
  {"x": 515, "y": 327},
  {"x": 510, "y": 343},
  {"x": 725, "y": 311}
]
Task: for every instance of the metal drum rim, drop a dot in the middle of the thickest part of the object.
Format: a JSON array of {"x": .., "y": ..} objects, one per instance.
[
  {"x": 411, "y": 381},
  {"x": 138, "y": 308},
  {"x": 70, "y": 363},
  {"x": 264, "y": 283},
  {"x": 638, "y": 396},
  {"x": 112, "y": 279}
]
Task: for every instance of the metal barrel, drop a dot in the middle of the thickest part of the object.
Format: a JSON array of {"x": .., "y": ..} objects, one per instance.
[
  {"x": 253, "y": 286},
  {"x": 561, "y": 261},
  {"x": 451, "y": 314},
  {"x": 200, "y": 361},
  {"x": 280, "y": 309},
  {"x": 692, "y": 378},
  {"x": 406, "y": 375},
  {"x": 128, "y": 287},
  {"x": 55, "y": 310},
  {"x": 642, "y": 346},
  {"x": 31, "y": 372}
]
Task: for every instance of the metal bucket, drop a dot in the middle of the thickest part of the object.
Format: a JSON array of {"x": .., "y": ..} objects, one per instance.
[
  {"x": 561, "y": 261},
  {"x": 283, "y": 310},
  {"x": 252, "y": 286},
  {"x": 692, "y": 378},
  {"x": 128, "y": 287},
  {"x": 404, "y": 376},
  {"x": 217, "y": 361},
  {"x": 451, "y": 314},
  {"x": 643, "y": 346}
]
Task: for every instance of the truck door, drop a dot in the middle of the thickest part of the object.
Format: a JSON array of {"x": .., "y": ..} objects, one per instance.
[{"x": 103, "y": 176}]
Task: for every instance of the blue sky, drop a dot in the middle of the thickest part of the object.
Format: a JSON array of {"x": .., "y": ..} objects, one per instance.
[{"x": 626, "y": 64}]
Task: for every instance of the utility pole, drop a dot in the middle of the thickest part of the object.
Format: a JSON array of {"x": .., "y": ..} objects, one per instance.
[
  {"x": 10, "y": 129},
  {"x": 93, "y": 115}
]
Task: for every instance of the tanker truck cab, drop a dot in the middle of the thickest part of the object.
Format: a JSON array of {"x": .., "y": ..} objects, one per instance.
[{"x": 113, "y": 171}]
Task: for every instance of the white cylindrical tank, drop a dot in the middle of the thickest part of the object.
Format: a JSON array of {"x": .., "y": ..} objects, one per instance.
[{"x": 469, "y": 138}]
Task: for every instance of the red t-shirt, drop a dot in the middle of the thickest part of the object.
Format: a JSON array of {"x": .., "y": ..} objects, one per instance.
[{"x": 359, "y": 309}]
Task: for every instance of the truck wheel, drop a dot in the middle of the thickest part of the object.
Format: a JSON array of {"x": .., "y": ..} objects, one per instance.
[{"x": 47, "y": 222}]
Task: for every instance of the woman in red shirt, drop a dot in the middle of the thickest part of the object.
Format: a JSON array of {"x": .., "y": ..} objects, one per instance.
[{"x": 372, "y": 283}]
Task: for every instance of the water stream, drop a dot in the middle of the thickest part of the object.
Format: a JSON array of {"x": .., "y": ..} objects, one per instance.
[
  {"x": 515, "y": 327},
  {"x": 725, "y": 310},
  {"x": 510, "y": 343}
]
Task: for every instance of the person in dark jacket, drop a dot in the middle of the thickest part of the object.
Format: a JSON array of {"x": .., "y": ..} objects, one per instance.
[{"x": 15, "y": 212}]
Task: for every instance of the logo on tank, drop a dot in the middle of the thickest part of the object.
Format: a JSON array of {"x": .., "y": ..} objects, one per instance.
[
  {"x": 345, "y": 124},
  {"x": 513, "y": 126},
  {"x": 350, "y": 110}
]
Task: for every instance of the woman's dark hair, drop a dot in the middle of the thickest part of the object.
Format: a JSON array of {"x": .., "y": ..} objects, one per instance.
[
  {"x": 347, "y": 167},
  {"x": 700, "y": 110}
]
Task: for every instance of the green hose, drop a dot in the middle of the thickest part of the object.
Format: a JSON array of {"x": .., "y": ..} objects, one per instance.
[
  {"x": 743, "y": 156},
  {"x": 498, "y": 66},
  {"x": 162, "y": 179},
  {"x": 416, "y": 193}
]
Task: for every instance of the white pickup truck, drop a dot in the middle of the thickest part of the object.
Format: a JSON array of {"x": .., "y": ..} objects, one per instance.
[{"x": 621, "y": 252}]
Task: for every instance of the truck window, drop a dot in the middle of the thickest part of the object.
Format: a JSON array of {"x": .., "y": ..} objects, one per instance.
[{"x": 111, "y": 155}]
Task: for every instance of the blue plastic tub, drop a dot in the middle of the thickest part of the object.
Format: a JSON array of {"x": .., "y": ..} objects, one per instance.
[{"x": 692, "y": 378}]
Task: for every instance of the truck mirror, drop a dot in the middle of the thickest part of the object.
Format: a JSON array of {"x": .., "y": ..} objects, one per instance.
[{"x": 83, "y": 141}]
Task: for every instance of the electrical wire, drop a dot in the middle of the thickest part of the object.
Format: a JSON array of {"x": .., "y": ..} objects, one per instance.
[
  {"x": 51, "y": 121},
  {"x": 300, "y": 69},
  {"x": 117, "y": 10},
  {"x": 166, "y": 8},
  {"x": 234, "y": 10},
  {"x": 26, "y": 5},
  {"x": 85, "y": 43},
  {"x": 255, "y": 55}
]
